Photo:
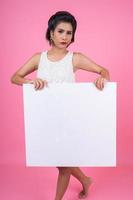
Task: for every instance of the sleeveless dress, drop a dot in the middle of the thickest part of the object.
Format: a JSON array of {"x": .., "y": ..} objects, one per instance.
[{"x": 56, "y": 71}]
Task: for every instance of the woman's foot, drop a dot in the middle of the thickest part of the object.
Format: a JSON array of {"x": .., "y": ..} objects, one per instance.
[{"x": 84, "y": 193}]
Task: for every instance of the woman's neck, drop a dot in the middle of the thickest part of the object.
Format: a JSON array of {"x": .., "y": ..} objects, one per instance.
[{"x": 59, "y": 51}]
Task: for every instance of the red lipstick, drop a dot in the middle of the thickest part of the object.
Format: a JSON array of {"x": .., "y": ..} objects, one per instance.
[{"x": 63, "y": 42}]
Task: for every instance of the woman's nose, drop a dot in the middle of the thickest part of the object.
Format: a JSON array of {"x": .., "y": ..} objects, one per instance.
[{"x": 64, "y": 36}]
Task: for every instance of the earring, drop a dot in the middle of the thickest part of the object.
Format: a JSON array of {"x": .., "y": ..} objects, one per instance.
[{"x": 51, "y": 41}]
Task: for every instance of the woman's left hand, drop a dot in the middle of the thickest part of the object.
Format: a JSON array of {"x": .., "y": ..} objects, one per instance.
[{"x": 99, "y": 82}]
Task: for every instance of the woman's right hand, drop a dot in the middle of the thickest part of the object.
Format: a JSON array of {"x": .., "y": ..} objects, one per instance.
[{"x": 38, "y": 83}]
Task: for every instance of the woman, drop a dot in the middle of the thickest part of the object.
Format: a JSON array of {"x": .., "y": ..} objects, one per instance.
[{"x": 58, "y": 65}]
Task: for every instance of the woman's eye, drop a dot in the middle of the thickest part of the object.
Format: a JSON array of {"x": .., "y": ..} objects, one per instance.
[
  {"x": 69, "y": 33},
  {"x": 60, "y": 31}
]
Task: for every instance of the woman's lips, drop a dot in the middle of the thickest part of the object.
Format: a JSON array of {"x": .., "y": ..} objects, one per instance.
[{"x": 63, "y": 43}]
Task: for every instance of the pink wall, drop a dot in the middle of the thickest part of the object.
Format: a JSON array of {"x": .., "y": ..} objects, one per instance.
[{"x": 104, "y": 34}]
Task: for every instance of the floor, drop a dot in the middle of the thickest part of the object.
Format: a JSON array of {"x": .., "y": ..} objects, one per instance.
[{"x": 29, "y": 183}]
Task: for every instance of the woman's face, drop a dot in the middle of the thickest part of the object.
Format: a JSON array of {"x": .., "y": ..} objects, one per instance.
[{"x": 62, "y": 35}]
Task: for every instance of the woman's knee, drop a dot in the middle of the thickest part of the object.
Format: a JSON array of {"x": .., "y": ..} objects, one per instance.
[{"x": 64, "y": 170}]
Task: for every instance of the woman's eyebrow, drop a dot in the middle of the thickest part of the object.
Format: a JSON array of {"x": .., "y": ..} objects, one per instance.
[
  {"x": 60, "y": 29},
  {"x": 63, "y": 30}
]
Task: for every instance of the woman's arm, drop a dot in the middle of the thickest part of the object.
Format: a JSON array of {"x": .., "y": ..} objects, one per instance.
[
  {"x": 31, "y": 65},
  {"x": 83, "y": 62}
]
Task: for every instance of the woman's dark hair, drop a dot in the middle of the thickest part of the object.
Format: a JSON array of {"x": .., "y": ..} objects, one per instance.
[{"x": 60, "y": 16}]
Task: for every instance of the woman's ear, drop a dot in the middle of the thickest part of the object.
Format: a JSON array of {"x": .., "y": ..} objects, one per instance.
[
  {"x": 51, "y": 38},
  {"x": 51, "y": 34}
]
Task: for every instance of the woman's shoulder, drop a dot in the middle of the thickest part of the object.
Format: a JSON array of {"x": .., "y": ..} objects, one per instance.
[
  {"x": 36, "y": 58},
  {"x": 77, "y": 56},
  {"x": 37, "y": 54}
]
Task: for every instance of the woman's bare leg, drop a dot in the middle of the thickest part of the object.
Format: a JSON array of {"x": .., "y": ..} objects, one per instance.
[
  {"x": 62, "y": 182},
  {"x": 85, "y": 180}
]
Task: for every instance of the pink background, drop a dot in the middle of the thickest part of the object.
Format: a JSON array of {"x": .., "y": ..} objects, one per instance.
[{"x": 105, "y": 34}]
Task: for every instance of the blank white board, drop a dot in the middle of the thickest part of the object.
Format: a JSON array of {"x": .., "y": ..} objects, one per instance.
[{"x": 70, "y": 124}]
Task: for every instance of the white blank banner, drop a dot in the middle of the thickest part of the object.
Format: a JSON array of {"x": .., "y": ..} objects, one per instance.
[{"x": 70, "y": 124}]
